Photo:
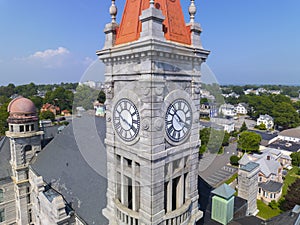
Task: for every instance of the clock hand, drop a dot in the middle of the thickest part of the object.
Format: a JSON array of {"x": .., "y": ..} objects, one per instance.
[{"x": 125, "y": 121}]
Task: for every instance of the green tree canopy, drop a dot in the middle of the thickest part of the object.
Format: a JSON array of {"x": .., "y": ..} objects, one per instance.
[
  {"x": 295, "y": 158},
  {"x": 3, "y": 118},
  {"x": 234, "y": 160},
  {"x": 292, "y": 197},
  {"x": 243, "y": 127},
  {"x": 85, "y": 96},
  {"x": 60, "y": 97},
  {"x": 101, "y": 97},
  {"x": 249, "y": 141},
  {"x": 47, "y": 115}
]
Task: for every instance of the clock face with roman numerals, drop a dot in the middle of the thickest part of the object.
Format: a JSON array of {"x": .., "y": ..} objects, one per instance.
[
  {"x": 178, "y": 120},
  {"x": 126, "y": 119}
]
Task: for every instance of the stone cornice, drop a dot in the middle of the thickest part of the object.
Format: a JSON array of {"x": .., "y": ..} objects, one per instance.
[{"x": 151, "y": 48}]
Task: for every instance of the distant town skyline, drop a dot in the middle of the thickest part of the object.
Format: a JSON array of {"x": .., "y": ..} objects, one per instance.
[{"x": 251, "y": 42}]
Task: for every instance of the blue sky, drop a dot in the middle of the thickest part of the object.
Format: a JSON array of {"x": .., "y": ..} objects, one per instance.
[{"x": 251, "y": 42}]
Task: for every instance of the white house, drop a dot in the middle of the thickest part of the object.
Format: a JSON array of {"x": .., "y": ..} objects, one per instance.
[
  {"x": 227, "y": 110},
  {"x": 227, "y": 124},
  {"x": 266, "y": 120},
  {"x": 241, "y": 108}
]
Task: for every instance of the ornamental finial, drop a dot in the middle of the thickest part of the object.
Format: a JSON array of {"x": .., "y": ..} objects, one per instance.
[
  {"x": 113, "y": 11},
  {"x": 151, "y": 3},
  {"x": 192, "y": 11}
]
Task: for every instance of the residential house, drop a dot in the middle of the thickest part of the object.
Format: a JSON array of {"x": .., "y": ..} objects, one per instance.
[
  {"x": 270, "y": 173},
  {"x": 227, "y": 124},
  {"x": 266, "y": 120},
  {"x": 227, "y": 110},
  {"x": 65, "y": 113},
  {"x": 241, "y": 108},
  {"x": 52, "y": 108}
]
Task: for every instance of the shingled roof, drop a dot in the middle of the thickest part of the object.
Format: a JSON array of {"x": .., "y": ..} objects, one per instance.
[{"x": 66, "y": 162}]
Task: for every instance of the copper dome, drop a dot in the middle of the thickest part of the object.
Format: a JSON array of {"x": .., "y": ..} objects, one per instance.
[{"x": 21, "y": 105}]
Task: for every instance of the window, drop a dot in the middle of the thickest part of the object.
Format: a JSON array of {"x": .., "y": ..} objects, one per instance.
[
  {"x": 1, "y": 195},
  {"x": 11, "y": 128},
  {"x": 2, "y": 215},
  {"x": 27, "y": 127},
  {"x": 32, "y": 127},
  {"x": 21, "y": 128}
]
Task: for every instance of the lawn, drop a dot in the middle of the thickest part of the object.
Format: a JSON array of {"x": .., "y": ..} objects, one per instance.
[
  {"x": 289, "y": 179},
  {"x": 265, "y": 211},
  {"x": 231, "y": 179}
]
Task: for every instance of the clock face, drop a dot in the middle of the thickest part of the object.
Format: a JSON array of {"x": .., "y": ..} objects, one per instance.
[
  {"x": 126, "y": 120},
  {"x": 178, "y": 120}
]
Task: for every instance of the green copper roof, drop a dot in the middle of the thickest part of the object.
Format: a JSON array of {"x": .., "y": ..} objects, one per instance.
[
  {"x": 249, "y": 166},
  {"x": 224, "y": 191}
]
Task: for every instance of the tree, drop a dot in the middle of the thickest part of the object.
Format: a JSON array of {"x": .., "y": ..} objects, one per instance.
[
  {"x": 38, "y": 101},
  {"x": 234, "y": 160},
  {"x": 203, "y": 100},
  {"x": 261, "y": 126},
  {"x": 3, "y": 118},
  {"x": 285, "y": 115},
  {"x": 226, "y": 139},
  {"x": 47, "y": 115},
  {"x": 243, "y": 127},
  {"x": 85, "y": 96},
  {"x": 292, "y": 197},
  {"x": 60, "y": 97},
  {"x": 101, "y": 97},
  {"x": 249, "y": 141},
  {"x": 295, "y": 158}
]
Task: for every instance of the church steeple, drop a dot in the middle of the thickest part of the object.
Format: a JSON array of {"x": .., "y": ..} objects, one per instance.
[{"x": 174, "y": 26}]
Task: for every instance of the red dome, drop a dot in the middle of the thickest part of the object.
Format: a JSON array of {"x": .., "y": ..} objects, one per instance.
[{"x": 21, "y": 105}]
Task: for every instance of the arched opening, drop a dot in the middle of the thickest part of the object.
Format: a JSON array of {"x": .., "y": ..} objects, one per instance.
[{"x": 1, "y": 195}]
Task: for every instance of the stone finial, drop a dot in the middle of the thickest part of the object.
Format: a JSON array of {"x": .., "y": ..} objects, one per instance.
[
  {"x": 192, "y": 11},
  {"x": 152, "y": 3},
  {"x": 113, "y": 11}
]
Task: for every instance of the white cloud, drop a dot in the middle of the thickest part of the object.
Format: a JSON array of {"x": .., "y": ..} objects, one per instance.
[{"x": 50, "y": 53}]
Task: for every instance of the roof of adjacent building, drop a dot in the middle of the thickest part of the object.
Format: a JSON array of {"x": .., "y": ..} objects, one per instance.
[
  {"x": 294, "y": 133},
  {"x": 268, "y": 167},
  {"x": 240, "y": 208},
  {"x": 244, "y": 160},
  {"x": 265, "y": 117},
  {"x": 285, "y": 145},
  {"x": 249, "y": 167},
  {"x": 75, "y": 152},
  {"x": 224, "y": 191},
  {"x": 5, "y": 168},
  {"x": 287, "y": 218},
  {"x": 271, "y": 186}
]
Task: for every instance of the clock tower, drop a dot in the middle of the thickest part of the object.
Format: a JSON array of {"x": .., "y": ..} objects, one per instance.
[{"x": 152, "y": 77}]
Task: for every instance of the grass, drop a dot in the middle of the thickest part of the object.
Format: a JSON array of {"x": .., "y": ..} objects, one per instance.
[
  {"x": 265, "y": 211},
  {"x": 231, "y": 179},
  {"x": 289, "y": 179}
]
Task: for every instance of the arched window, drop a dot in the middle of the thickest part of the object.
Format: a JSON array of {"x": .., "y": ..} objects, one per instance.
[
  {"x": 28, "y": 148},
  {"x": 1, "y": 195}
]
